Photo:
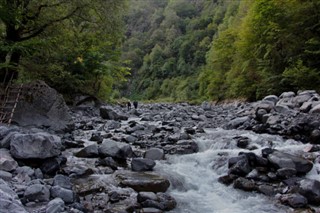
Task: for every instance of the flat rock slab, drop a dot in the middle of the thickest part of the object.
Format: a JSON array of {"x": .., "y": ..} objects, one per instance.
[{"x": 143, "y": 181}]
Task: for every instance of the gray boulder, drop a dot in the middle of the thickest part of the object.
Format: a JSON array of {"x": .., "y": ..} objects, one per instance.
[
  {"x": 285, "y": 160},
  {"x": 111, "y": 148},
  {"x": 142, "y": 164},
  {"x": 55, "y": 206},
  {"x": 90, "y": 151},
  {"x": 66, "y": 195},
  {"x": 39, "y": 145},
  {"x": 154, "y": 154},
  {"x": 311, "y": 190},
  {"x": 37, "y": 192},
  {"x": 9, "y": 201},
  {"x": 42, "y": 106},
  {"x": 272, "y": 98},
  {"x": 110, "y": 114},
  {"x": 7, "y": 163}
]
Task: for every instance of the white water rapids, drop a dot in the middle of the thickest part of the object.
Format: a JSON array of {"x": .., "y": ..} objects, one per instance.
[{"x": 194, "y": 177}]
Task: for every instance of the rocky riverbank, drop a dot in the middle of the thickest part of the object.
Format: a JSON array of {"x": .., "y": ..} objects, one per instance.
[{"x": 106, "y": 162}]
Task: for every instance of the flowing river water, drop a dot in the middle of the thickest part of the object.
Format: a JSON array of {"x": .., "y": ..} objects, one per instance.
[{"x": 194, "y": 177}]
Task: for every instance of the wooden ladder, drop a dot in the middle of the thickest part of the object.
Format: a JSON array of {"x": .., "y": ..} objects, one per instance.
[{"x": 10, "y": 95}]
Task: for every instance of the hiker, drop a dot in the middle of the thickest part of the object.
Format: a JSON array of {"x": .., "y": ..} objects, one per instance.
[
  {"x": 129, "y": 105},
  {"x": 135, "y": 104}
]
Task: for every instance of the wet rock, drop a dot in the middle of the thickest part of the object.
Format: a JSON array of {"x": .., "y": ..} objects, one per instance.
[
  {"x": 151, "y": 210},
  {"x": 244, "y": 184},
  {"x": 111, "y": 148},
  {"x": 55, "y": 206},
  {"x": 143, "y": 196},
  {"x": 154, "y": 154},
  {"x": 142, "y": 164},
  {"x": 186, "y": 147},
  {"x": 142, "y": 181},
  {"x": 242, "y": 142},
  {"x": 227, "y": 179},
  {"x": 7, "y": 163},
  {"x": 164, "y": 202},
  {"x": 266, "y": 190},
  {"x": 285, "y": 160},
  {"x": 36, "y": 146},
  {"x": 311, "y": 190},
  {"x": 240, "y": 167},
  {"x": 286, "y": 173},
  {"x": 90, "y": 151},
  {"x": 294, "y": 200}
]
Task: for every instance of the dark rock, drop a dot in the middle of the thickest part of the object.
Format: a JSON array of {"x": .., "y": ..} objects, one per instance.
[
  {"x": 52, "y": 165},
  {"x": 73, "y": 144},
  {"x": 110, "y": 162},
  {"x": 143, "y": 181},
  {"x": 241, "y": 166},
  {"x": 267, "y": 190},
  {"x": 37, "y": 146},
  {"x": 242, "y": 142},
  {"x": 143, "y": 196},
  {"x": 311, "y": 190},
  {"x": 42, "y": 106},
  {"x": 286, "y": 173},
  {"x": 142, "y": 164},
  {"x": 110, "y": 114},
  {"x": 96, "y": 136},
  {"x": 62, "y": 181},
  {"x": 227, "y": 179},
  {"x": 186, "y": 147},
  {"x": 151, "y": 210},
  {"x": 294, "y": 200},
  {"x": 90, "y": 151},
  {"x": 244, "y": 184},
  {"x": 110, "y": 148},
  {"x": 164, "y": 202}
]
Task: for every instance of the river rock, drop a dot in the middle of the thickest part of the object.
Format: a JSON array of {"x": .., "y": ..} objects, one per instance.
[
  {"x": 143, "y": 181},
  {"x": 7, "y": 163},
  {"x": 285, "y": 160},
  {"x": 294, "y": 200},
  {"x": 9, "y": 201},
  {"x": 52, "y": 165},
  {"x": 154, "y": 154},
  {"x": 66, "y": 195},
  {"x": 37, "y": 192},
  {"x": 164, "y": 202},
  {"x": 111, "y": 148},
  {"x": 311, "y": 190},
  {"x": 42, "y": 106},
  {"x": 35, "y": 146},
  {"x": 62, "y": 181},
  {"x": 109, "y": 113},
  {"x": 244, "y": 184},
  {"x": 272, "y": 98},
  {"x": 55, "y": 206},
  {"x": 142, "y": 164},
  {"x": 90, "y": 151}
]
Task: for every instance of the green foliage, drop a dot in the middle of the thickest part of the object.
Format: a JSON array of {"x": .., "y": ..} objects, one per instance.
[{"x": 73, "y": 45}]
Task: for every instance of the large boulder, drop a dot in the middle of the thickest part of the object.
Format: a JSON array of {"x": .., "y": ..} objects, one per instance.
[
  {"x": 35, "y": 146},
  {"x": 111, "y": 148},
  {"x": 110, "y": 114},
  {"x": 285, "y": 160},
  {"x": 311, "y": 190},
  {"x": 42, "y": 106}
]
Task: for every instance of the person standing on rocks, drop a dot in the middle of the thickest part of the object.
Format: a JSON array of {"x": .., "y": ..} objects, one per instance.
[
  {"x": 135, "y": 104},
  {"x": 129, "y": 105}
]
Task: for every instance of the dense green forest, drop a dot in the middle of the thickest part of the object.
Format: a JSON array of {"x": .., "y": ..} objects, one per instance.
[
  {"x": 199, "y": 49},
  {"x": 165, "y": 50},
  {"x": 74, "y": 45}
]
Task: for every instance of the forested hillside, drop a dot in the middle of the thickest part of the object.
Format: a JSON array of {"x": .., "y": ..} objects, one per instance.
[
  {"x": 74, "y": 45},
  {"x": 199, "y": 49}
]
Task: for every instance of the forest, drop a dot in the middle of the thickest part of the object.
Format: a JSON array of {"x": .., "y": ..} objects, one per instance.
[{"x": 164, "y": 50}]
